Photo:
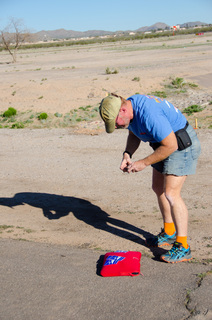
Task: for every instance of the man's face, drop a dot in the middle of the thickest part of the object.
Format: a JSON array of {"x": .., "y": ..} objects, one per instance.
[{"x": 123, "y": 119}]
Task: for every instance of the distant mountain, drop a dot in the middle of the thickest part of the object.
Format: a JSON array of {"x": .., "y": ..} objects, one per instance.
[
  {"x": 70, "y": 34},
  {"x": 156, "y": 26},
  {"x": 192, "y": 24}
]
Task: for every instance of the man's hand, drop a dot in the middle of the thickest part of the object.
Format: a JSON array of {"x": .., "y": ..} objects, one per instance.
[
  {"x": 126, "y": 162},
  {"x": 136, "y": 166}
]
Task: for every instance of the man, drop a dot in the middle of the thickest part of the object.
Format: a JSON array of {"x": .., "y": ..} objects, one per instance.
[{"x": 176, "y": 149}]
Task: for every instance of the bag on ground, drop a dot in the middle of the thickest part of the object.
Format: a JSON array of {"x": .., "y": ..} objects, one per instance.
[{"x": 121, "y": 263}]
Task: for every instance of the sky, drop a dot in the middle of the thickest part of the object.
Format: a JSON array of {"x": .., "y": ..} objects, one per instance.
[{"x": 110, "y": 15}]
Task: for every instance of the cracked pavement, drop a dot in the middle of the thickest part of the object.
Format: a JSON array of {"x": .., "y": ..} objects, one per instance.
[{"x": 42, "y": 281}]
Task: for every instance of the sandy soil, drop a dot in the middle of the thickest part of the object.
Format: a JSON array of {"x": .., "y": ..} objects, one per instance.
[{"x": 65, "y": 187}]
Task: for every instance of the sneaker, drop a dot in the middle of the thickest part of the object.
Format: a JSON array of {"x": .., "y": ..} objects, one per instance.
[
  {"x": 177, "y": 254},
  {"x": 162, "y": 239}
]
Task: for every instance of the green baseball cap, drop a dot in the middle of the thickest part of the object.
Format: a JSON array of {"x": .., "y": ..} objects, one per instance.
[{"x": 109, "y": 110}]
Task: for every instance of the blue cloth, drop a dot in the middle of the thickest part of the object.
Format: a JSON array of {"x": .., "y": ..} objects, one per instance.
[{"x": 154, "y": 118}]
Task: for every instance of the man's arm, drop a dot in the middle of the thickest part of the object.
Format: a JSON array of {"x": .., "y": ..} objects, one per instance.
[
  {"x": 168, "y": 146},
  {"x": 132, "y": 145}
]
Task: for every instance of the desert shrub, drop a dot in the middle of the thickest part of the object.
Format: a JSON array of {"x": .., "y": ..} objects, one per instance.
[
  {"x": 95, "y": 109},
  {"x": 58, "y": 115},
  {"x": 115, "y": 71},
  {"x": 43, "y": 116},
  {"x": 160, "y": 94},
  {"x": 85, "y": 108},
  {"x": 9, "y": 112},
  {"x": 192, "y": 85},
  {"x": 178, "y": 83},
  {"x": 17, "y": 125},
  {"x": 136, "y": 79},
  {"x": 192, "y": 109},
  {"x": 108, "y": 71}
]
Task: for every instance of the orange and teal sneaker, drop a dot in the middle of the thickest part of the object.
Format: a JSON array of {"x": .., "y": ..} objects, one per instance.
[
  {"x": 162, "y": 239},
  {"x": 177, "y": 254}
]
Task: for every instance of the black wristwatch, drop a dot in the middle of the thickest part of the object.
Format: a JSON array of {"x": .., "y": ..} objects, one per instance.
[{"x": 130, "y": 154}]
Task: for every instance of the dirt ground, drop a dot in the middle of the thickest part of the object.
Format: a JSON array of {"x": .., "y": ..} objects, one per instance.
[{"x": 63, "y": 186}]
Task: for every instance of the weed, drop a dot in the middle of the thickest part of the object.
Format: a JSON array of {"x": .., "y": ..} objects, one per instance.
[
  {"x": 41, "y": 97},
  {"x": 4, "y": 227},
  {"x": 58, "y": 115},
  {"x": 178, "y": 83},
  {"x": 14, "y": 92},
  {"x": 136, "y": 79},
  {"x": 43, "y": 116},
  {"x": 108, "y": 71},
  {"x": 10, "y": 112},
  {"x": 28, "y": 121},
  {"x": 28, "y": 230},
  {"x": 192, "y": 85},
  {"x": 160, "y": 94},
  {"x": 17, "y": 125},
  {"x": 11, "y": 119},
  {"x": 130, "y": 212},
  {"x": 98, "y": 249},
  {"x": 207, "y": 260},
  {"x": 192, "y": 109},
  {"x": 85, "y": 108}
]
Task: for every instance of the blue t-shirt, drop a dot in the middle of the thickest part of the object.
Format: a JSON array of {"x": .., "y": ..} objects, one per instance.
[{"x": 154, "y": 118}]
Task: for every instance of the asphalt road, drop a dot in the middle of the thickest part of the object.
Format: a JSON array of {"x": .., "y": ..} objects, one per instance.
[{"x": 42, "y": 281}]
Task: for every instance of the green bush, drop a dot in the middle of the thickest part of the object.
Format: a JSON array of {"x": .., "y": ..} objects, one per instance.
[
  {"x": 58, "y": 115},
  {"x": 192, "y": 109},
  {"x": 136, "y": 79},
  {"x": 9, "y": 112},
  {"x": 108, "y": 71},
  {"x": 43, "y": 116},
  {"x": 160, "y": 94},
  {"x": 178, "y": 83},
  {"x": 17, "y": 125}
]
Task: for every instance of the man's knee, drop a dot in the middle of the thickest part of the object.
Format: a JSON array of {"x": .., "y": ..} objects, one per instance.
[
  {"x": 157, "y": 188},
  {"x": 170, "y": 196}
]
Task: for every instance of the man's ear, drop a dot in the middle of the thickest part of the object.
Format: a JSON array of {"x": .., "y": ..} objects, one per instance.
[{"x": 123, "y": 109}]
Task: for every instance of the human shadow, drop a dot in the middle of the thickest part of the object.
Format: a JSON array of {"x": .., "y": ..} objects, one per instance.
[{"x": 57, "y": 206}]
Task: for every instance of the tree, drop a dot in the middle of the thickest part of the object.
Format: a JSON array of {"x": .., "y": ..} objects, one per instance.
[{"x": 13, "y": 36}]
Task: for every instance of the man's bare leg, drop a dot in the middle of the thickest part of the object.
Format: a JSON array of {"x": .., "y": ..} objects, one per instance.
[
  {"x": 158, "y": 181},
  {"x": 179, "y": 212}
]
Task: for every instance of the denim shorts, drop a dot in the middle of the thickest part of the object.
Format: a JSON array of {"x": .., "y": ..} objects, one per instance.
[{"x": 184, "y": 162}]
